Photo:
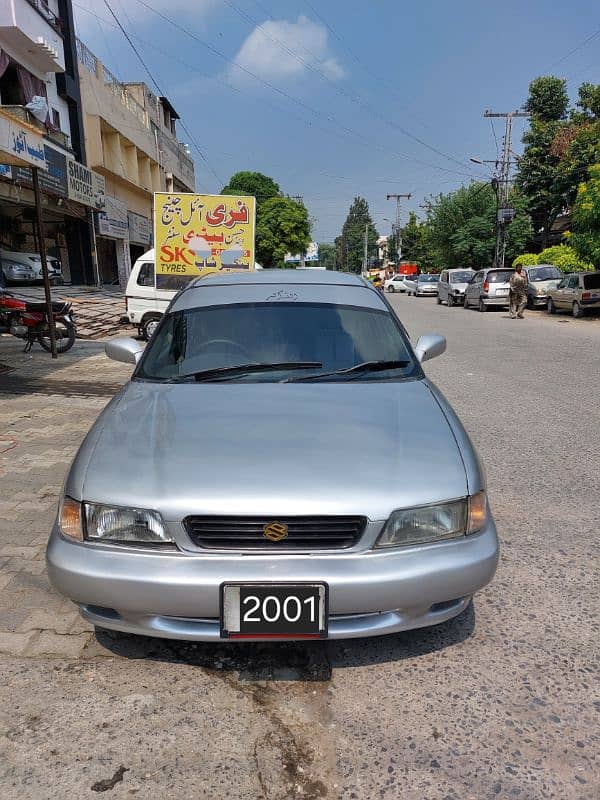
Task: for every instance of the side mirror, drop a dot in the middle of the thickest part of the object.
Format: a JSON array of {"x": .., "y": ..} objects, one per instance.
[
  {"x": 124, "y": 349},
  {"x": 429, "y": 346}
]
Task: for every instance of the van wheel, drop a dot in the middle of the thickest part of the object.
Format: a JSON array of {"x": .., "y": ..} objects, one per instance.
[{"x": 149, "y": 325}]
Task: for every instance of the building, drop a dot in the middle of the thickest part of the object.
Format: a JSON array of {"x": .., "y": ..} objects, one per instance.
[
  {"x": 131, "y": 140},
  {"x": 40, "y": 105}
]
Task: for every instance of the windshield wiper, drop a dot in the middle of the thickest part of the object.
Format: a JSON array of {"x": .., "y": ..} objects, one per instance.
[
  {"x": 242, "y": 369},
  {"x": 357, "y": 369}
]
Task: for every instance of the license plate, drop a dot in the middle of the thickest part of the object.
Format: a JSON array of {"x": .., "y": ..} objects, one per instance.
[
  {"x": 501, "y": 292},
  {"x": 274, "y": 611}
]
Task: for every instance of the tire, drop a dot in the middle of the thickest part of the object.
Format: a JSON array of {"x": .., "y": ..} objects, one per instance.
[
  {"x": 149, "y": 325},
  {"x": 577, "y": 310},
  {"x": 529, "y": 302},
  {"x": 65, "y": 337},
  {"x": 450, "y": 301},
  {"x": 551, "y": 306},
  {"x": 57, "y": 282},
  {"x": 465, "y": 303},
  {"x": 438, "y": 300},
  {"x": 482, "y": 306}
]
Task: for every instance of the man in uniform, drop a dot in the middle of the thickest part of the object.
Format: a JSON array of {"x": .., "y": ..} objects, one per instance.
[{"x": 518, "y": 293}]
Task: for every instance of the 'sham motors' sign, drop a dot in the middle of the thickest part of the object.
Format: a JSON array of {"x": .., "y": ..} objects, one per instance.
[{"x": 85, "y": 186}]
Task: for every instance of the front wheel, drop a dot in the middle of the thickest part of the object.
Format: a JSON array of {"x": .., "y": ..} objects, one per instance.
[
  {"x": 465, "y": 303},
  {"x": 65, "y": 336},
  {"x": 551, "y": 306},
  {"x": 450, "y": 301},
  {"x": 149, "y": 325}
]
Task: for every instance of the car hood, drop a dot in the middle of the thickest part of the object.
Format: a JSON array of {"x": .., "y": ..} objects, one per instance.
[
  {"x": 460, "y": 286},
  {"x": 550, "y": 284},
  {"x": 301, "y": 448}
]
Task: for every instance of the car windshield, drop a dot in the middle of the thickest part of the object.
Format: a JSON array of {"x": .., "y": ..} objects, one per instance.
[
  {"x": 461, "y": 277},
  {"x": 591, "y": 281},
  {"x": 544, "y": 274},
  {"x": 499, "y": 276},
  {"x": 276, "y": 341},
  {"x": 429, "y": 278}
]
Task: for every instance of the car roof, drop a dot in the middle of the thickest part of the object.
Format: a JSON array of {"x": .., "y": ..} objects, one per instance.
[{"x": 279, "y": 277}]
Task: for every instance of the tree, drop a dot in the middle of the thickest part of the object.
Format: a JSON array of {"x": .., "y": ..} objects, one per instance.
[
  {"x": 563, "y": 257},
  {"x": 586, "y": 219},
  {"x": 526, "y": 260},
  {"x": 392, "y": 248},
  {"x": 548, "y": 99},
  {"x": 350, "y": 244},
  {"x": 416, "y": 246},
  {"x": 255, "y": 184},
  {"x": 461, "y": 227},
  {"x": 327, "y": 255},
  {"x": 282, "y": 227}
]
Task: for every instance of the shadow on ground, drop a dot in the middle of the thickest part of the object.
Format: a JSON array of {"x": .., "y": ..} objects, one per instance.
[{"x": 293, "y": 661}]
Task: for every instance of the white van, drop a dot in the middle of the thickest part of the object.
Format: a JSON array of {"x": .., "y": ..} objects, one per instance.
[{"x": 144, "y": 303}]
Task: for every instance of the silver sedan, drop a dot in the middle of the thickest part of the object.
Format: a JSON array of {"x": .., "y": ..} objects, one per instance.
[{"x": 278, "y": 467}]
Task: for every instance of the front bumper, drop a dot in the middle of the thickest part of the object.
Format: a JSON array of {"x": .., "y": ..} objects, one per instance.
[
  {"x": 426, "y": 293},
  {"x": 539, "y": 301},
  {"x": 176, "y": 595}
]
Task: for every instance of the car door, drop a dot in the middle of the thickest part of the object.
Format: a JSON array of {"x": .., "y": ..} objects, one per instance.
[
  {"x": 474, "y": 288},
  {"x": 443, "y": 289},
  {"x": 567, "y": 293}
]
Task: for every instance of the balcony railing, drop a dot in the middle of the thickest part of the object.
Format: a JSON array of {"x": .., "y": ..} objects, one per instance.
[
  {"x": 46, "y": 12},
  {"x": 58, "y": 137}
]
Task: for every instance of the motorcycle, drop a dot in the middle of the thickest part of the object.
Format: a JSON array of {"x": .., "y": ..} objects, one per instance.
[{"x": 28, "y": 320}]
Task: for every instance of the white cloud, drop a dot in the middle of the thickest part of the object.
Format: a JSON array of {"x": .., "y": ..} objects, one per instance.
[
  {"x": 131, "y": 11},
  {"x": 266, "y": 51}
]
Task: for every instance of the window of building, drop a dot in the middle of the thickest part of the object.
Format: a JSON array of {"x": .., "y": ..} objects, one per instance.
[
  {"x": 56, "y": 119},
  {"x": 11, "y": 92}
]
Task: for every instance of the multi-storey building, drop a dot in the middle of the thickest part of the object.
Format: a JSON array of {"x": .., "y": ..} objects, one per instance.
[
  {"x": 131, "y": 139},
  {"x": 38, "y": 60}
]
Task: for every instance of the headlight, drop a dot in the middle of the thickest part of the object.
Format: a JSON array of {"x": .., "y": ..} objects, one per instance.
[
  {"x": 434, "y": 523},
  {"x": 124, "y": 525}
]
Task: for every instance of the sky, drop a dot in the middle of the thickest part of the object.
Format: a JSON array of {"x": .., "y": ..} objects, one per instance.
[{"x": 337, "y": 99}]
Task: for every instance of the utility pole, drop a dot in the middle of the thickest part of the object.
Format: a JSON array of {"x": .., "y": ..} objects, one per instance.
[
  {"x": 501, "y": 183},
  {"x": 366, "y": 249},
  {"x": 398, "y": 224}
]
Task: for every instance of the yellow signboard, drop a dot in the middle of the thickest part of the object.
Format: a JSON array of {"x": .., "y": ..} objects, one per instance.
[{"x": 199, "y": 234}]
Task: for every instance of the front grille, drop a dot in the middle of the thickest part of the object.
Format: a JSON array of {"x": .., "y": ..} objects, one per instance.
[{"x": 247, "y": 533}]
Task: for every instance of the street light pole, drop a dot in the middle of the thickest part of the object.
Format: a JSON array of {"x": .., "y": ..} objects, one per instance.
[
  {"x": 398, "y": 226},
  {"x": 42, "y": 247}
]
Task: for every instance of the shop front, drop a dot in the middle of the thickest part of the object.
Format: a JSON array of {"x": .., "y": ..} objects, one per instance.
[{"x": 112, "y": 242}]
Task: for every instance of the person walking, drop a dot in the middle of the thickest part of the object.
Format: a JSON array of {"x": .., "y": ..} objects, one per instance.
[{"x": 517, "y": 293}]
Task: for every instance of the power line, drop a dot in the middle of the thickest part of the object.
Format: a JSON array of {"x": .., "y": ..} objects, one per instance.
[
  {"x": 295, "y": 100},
  {"x": 354, "y": 98},
  {"x": 575, "y": 49},
  {"x": 160, "y": 91}
]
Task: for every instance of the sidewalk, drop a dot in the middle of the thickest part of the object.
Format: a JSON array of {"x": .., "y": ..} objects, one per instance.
[
  {"x": 46, "y": 407},
  {"x": 97, "y": 311}
]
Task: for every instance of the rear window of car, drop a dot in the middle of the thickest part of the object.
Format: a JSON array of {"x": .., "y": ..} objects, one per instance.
[
  {"x": 591, "y": 281},
  {"x": 499, "y": 276},
  {"x": 544, "y": 274},
  {"x": 460, "y": 277}
]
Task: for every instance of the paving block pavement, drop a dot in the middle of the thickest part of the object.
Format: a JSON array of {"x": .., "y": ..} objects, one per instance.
[{"x": 46, "y": 408}]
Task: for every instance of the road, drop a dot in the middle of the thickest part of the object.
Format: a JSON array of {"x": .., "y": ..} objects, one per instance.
[{"x": 500, "y": 703}]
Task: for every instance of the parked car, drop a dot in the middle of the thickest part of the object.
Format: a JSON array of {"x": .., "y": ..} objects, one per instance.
[
  {"x": 541, "y": 278},
  {"x": 577, "y": 293},
  {"x": 452, "y": 285},
  {"x": 27, "y": 268},
  {"x": 395, "y": 284},
  {"x": 196, "y": 509},
  {"x": 489, "y": 287},
  {"x": 423, "y": 285}
]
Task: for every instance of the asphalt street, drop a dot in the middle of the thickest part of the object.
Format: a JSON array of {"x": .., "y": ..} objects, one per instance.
[{"x": 500, "y": 703}]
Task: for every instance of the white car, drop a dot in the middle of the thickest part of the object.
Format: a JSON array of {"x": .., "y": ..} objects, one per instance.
[
  {"x": 27, "y": 268},
  {"x": 395, "y": 284},
  {"x": 423, "y": 285}
]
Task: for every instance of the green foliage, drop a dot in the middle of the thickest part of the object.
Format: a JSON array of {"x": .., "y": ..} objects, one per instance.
[
  {"x": 327, "y": 255},
  {"x": 526, "y": 260},
  {"x": 589, "y": 100},
  {"x": 461, "y": 227},
  {"x": 350, "y": 243},
  {"x": 282, "y": 227},
  {"x": 392, "y": 249},
  {"x": 563, "y": 257},
  {"x": 416, "y": 245},
  {"x": 252, "y": 183},
  {"x": 548, "y": 98},
  {"x": 585, "y": 239}
]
